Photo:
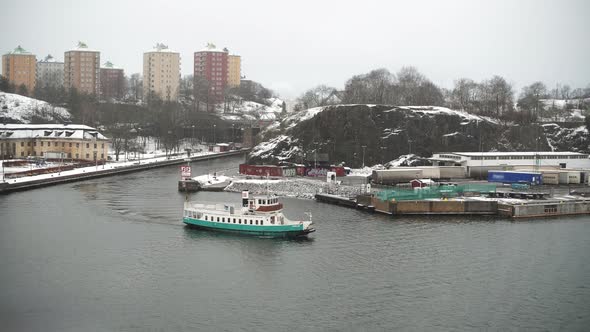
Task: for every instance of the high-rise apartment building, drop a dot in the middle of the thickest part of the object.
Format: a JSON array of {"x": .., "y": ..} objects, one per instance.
[
  {"x": 50, "y": 72},
  {"x": 234, "y": 73},
  {"x": 81, "y": 69},
  {"x": 112, "y": 82},
  {"x": 161, "y": 73},
  {"x": 20, "y": 67},
  {"x": 212, "y": 65}
]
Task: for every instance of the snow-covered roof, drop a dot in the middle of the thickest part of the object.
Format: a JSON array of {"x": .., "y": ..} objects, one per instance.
[
  {"x": 110, "y": 65},
  {"x": 70, "y": 131},
  {"x": 161, "y": 48},
  {"x": 19, "y": 51},
  {"x": 49, "y": 59},
  {"x": 82, "y": 47},
  {"x": 212, "y": 48}
]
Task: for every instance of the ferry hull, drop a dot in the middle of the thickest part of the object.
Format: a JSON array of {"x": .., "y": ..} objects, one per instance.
[{"x": 271, "y": 231}]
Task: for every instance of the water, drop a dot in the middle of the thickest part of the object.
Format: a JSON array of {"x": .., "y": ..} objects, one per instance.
[{"x": 111, "y": 254}]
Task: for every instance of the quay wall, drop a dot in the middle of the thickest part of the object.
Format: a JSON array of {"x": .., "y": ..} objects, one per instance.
[{"x": 8, "y": 187}]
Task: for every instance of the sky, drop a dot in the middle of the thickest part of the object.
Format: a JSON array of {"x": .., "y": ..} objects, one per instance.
[{"x": 292, "y": 46}]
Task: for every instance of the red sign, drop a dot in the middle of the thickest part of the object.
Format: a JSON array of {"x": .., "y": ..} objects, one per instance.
[{"x": 185, "y": 171}]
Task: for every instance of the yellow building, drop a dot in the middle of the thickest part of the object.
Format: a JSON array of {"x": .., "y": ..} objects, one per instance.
[
  {"x": 52, "y": 141},
  {"x": 20, "y": 67},
  {"x": 234, "y": 70},
  {"x": 161, "y": 74},
  {"x": 82, "y": 70}
]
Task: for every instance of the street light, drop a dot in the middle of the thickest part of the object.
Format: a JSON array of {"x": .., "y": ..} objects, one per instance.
[
  {"x": 214, "y": 138},
  {"x": 193, "y": 136},
  {"x": 364, "y": 147}
]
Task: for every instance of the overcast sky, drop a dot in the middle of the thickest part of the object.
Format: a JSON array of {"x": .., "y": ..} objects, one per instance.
[{"x": 290, "y": 46}]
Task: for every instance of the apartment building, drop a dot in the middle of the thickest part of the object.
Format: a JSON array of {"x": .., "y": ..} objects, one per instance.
[
  {"x": 50, "y": 72},
  {"x": 161, "y": 73},
  {"x": 20, "y": 68},
  {"x": 234, "y": 72},
  {"x": 82, "y": 69},
  {"x": 112, "y": 82},
  {"x": 211, "y": 64}
]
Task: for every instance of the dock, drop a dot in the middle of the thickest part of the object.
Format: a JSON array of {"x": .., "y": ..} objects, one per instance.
[{"x": 518, "y": 206}]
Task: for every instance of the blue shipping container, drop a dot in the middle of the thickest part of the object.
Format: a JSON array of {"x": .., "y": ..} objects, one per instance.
[{"x": 515, "y": 177}]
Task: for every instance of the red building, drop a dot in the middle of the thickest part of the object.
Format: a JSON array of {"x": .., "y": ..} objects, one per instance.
[
  {"x": 211, "y": 64},
  {"x": 112, "y": 82}
]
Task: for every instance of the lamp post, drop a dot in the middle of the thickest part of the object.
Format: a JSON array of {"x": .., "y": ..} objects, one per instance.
[
  {"x": 232, "y": 132},
  {"x": 364, "y": 147},
  {"x": 214, "y": 138},
  {"x": 193, "y": 135}
]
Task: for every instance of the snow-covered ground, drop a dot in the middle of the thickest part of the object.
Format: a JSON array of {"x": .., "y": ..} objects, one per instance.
[
  {"x": 22, "y": 109},
  {"x": 110, "y": 165},
  {"x": 250, "y": 110}
]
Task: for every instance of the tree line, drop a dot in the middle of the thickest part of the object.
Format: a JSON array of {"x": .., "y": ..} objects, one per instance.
[{"x": 494, "y": 97}]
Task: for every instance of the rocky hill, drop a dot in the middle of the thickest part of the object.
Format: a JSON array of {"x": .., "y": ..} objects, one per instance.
[
  {"x": 20, "y": 109},
  {"x": 387, "y": 132}
]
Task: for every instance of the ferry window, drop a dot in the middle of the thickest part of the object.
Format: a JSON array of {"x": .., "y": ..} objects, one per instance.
[
  {"x": 223, "y": 219},
  {"x": 217, "y": 219},
  {"x": 205, "y": 218},
  {"x": 250, "y": 221},
  {"x": 256, "y": 222},
  {"x": 239, "y": 221},
  {"x": 234, "y": 220},
  {"x": 262, "y": 222}
]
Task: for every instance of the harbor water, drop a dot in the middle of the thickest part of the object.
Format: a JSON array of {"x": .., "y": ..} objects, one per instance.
[{"x": 112, "y": 254}]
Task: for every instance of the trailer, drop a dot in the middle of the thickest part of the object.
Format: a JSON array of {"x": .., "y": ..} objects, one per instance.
[{"x": 532, "y": 178}]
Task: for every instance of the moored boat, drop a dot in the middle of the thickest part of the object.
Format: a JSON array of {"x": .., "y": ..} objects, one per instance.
[{"x": 258, "y": 215}]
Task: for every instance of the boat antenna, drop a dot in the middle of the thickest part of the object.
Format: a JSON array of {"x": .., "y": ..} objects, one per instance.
[{"x": 267, "y": 191}]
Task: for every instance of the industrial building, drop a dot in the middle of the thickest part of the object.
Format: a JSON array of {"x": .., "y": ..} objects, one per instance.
[{"x": 477, "y": 164}]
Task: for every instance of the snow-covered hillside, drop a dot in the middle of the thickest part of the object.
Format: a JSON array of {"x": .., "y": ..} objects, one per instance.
[
  {"x": 251, "y": 111},
  {"x": 20, "y": 109}
]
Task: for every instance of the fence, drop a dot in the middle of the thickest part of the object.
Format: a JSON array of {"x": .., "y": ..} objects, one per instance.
[{"x": 443, "y": 191}]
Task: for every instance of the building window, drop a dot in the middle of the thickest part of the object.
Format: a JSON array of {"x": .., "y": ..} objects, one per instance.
[
  {"x": 87, "y": 156},
  {"x": 95, "y": 145},
  {"x": 22, "y": 153},
  {"x": 102, "y": 156},
  {"x": 77, "y": 145},
  {"x": 70, "y": 145},
  {"x": 55, "y": 143},
  {"x": 22, "y": 143},
  {"x": 63, "y": 144},
  {"x": 87, "y": 145},
  {"x": 41, "y": 143}
]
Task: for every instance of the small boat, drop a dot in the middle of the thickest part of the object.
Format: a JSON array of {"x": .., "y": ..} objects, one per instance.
[{"x": 258, "y": 215}]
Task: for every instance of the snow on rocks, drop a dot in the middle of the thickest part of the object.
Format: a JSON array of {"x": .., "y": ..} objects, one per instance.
[
  {"x": 291, "y": 187},
  {"x": 23, "y": 109}
]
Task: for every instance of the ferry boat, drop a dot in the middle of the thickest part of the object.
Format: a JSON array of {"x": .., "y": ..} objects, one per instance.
[{"x": 258, "y": 215}]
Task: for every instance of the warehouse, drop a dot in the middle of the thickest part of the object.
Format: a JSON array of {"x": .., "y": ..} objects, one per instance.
[{"x": 479, "y": 163}]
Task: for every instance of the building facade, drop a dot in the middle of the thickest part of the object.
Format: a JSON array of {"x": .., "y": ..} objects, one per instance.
[
  {"x": 234, "y": 73},
  {"x": 161, "y": 74},
  {"x": 479, "y": 163},
  {"x": 212, "y": 65},
  {"x": 20, "y": 68},
  {"x": 81, "y": 70},
  {"x": 44, "y": 140},
  {"x": 50, "y": 72},
  {"x": 112, "y": 82}
]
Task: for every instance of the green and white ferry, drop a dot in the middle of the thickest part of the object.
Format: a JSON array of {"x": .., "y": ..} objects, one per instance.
[{"x": 258, "y": 215}]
